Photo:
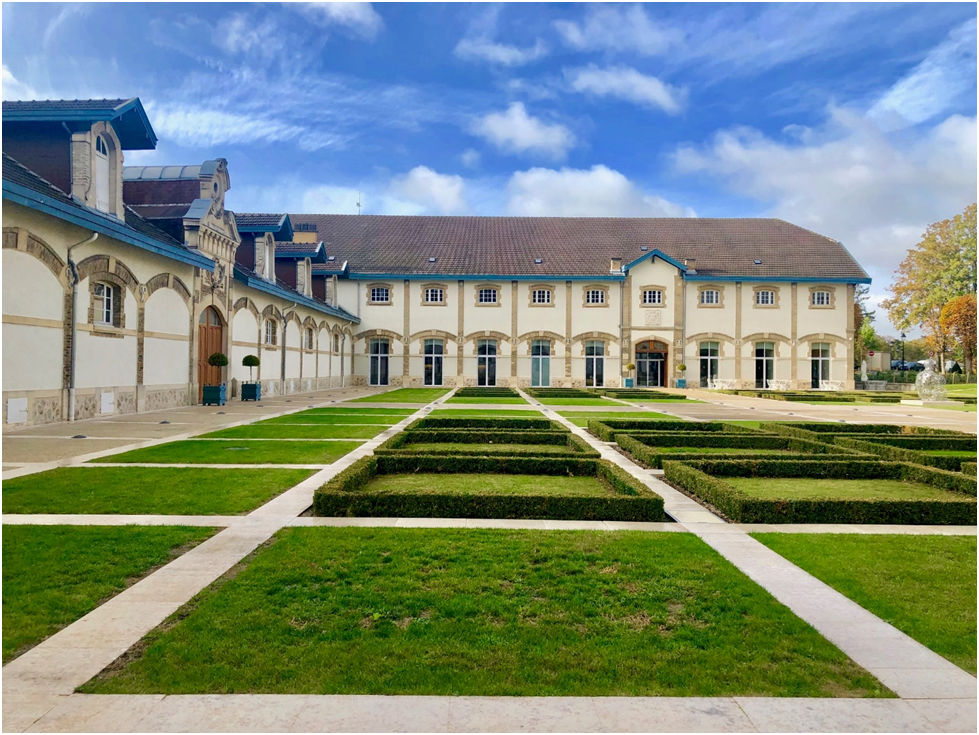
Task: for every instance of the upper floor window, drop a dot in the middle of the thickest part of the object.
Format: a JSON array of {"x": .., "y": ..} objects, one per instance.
[
  {"x": 488, "y": 296},
  {"x": 822, "y": 298},
  {"x": 336, "y": 342},
  {"x": 710, "y": 297},
  {"x": 540, "y": 296},
  {"x": 380, "y": 295},
  {"x": 595, "y": 296},
  {"x": 652, "y": 297},
  {"x": 102, "y": 168},
  {"x": 104, "y": 304},
  {"x": 764, "y": 298},
  {"x": 434, "y": 296},
  {"x": 271, "y": 332},
  {"x": 309, "y": 338}
]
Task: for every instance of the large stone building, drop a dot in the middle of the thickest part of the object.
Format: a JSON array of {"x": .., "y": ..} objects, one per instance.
[{"x": 119, "y": 282}]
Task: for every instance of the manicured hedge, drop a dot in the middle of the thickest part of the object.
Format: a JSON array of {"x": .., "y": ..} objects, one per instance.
[
  {"x": 969, "y": 468},
  {"x": 347, "y": 494},
  {"x": 643, "y": 447},
  {"x": 915, "y": 441},
  {"x": 534, "y": 422},
  {"x": 463, "y": 437},
  {"x": 703, "y": 479},
  {"x": 900, "y": 454},
  {"x": 606, "y": 429},
  {"x": 561, "y": 393},
  {"x": 633, "y": 394},
  {"x": 486, "y": 393},
  {"x": 832, "y": 427}
]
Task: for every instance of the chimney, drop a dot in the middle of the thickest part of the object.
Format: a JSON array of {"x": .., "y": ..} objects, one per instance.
[
  {"x": 305, "y": 232},
  {"x": 616, "y": 265},
  {"x": 691, "y": 264}
]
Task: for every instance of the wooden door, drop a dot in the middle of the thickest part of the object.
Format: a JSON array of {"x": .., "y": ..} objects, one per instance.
[{"x": 210, "y": 339}]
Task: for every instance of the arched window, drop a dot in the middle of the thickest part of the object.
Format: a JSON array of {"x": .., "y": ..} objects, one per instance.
[
  {"x": 309, "y": 338},
  {"x": 271, "y": 332},
  {"x": 104, "y": 304},
  {"x": 102, "y": 177},
  {"x": 336, "y": 343}
]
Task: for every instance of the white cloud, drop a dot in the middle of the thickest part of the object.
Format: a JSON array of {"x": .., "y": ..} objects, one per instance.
[
  {"x": 530, "y": 90},
  {"x": 517, "y": 132},
  {"x": 360, "y": 18},
  {"x": 626, "y": 83},
  {"x": 617, "y": 28},
  {"x": 470, "y": 158},
  {"x": 436, "y": 193},
  {"x": 14, "y": 89},
  {"x": 849, "y": 180},
  {"x": 484, "y": 49},
  {"x": 595, "y": 192},
  {"x": 945, "y": 76}
]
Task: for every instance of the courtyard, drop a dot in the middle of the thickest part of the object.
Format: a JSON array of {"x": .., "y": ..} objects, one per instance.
[{"x": 418, "y": 559}]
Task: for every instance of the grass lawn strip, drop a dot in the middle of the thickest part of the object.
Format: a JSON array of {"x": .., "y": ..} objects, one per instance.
[
  {"x": 488, "y": 484},
  {"x": 341, "y": 410},
  {"x": 477, "y": 449},
  {"x": 792, "y": 488},
  {"x": 404, "y": 395},
  {"x": 230, "y": 452},
  {"x": 296, "y": 431},
  {"x": 597, "y": 401},
  {"x": 320, "y": 420},
  {"x": 488, "y": 400},
  {"x": 487, "y": 613},
  {"x": 147, "y": 490},
  {"x": 924, "y": 586},
  {"x": 482, "y": 412},
  {"x": 53, "y": 575}
]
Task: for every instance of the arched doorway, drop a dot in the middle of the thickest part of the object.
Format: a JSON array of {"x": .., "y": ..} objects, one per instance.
[
  {"x": 210, "y": 339},
  {"x": 651, "y": 364}
]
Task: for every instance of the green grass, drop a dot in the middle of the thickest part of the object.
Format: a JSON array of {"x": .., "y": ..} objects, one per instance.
[
  {"x": 639, "y": 401},
  {"x": 964, "y": 409},
  {"x": 483, "y": 413},
  {"x": 147, "y": 490},
  {"x": 480, "y": 612},
  {"x": 795, "y": 488},
  {"x": 581, "y": 418},
  {"x": 509, "y": 449},
  {"x": 718, "y": 450},
  {"x": 577, "y": 402},
  {"x": 965, "y": 454},
  {"x": 243, "y": 452},
  {"x": 477, "y": 399},
  {"x": 342, "y": 409},
  {"x": 488, "y": 484},
  {"x": 53, "y": 575},
  {"x": 404, "y": 395},
  {"x": 924, "y": 586},
  {"x": 296, "y": 431},
  {"x": 962, "y": 389},
  {"x": 322, "y": 420}
]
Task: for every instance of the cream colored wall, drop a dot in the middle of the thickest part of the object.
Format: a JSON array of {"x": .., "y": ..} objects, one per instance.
[
  {"x": 813, "y": 320},
  {"x": 165, "y": 361},
  {"x": 31, "y": 358},
  {"x": 245, "y": 337}
]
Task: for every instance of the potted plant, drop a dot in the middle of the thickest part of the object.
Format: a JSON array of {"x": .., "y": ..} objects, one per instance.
[
  {"x": 628, "y": 381},
  {"x": 216, "y": 394},
  {"x": 251, "y": 391},
  {"x": 681, "y": 382}
]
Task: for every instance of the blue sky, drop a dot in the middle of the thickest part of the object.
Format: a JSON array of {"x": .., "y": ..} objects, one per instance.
[{"x": 855, "y": 120}]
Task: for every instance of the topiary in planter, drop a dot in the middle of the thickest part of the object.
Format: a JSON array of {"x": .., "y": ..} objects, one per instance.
[
  {"x": 250, "y": 362},
  {"x": 218, "y": 359}
]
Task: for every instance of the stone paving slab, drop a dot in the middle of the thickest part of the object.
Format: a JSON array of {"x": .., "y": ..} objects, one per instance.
[{"x": 55, "y": 450}]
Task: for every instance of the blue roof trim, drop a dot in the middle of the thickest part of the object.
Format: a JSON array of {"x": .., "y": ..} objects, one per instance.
[
  {"x": 260, "y": 284},
  {"x": 780, "y": 279},
  {"x": 487, "y": 277},
  {"x": 134, "y": 129},
  {"x": 104, "y": 224},
  {"x": 655, "y": 254}
]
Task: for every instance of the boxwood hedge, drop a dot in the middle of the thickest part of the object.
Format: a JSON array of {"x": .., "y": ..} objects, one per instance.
[
  {"x": 534, "y": 422},
  {"x": 460, "y": 438},
  {"x": 969, "y": 468},
  {"x": 348, "y": 494},
  {"x": 901, "y": 454},
  {"x": 645, "y": 447},
  {"x": 606, "y": 429},
  {"x": 500, "y": 392},
  {"x": 703, "y": 479},
  {"x": 832, "y": 427}
]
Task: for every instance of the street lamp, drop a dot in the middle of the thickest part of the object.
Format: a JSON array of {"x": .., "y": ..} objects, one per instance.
[{"x": 903, "y": 337}]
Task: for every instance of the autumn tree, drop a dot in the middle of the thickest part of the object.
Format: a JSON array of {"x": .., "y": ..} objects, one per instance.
[
  {"x": 937, "y": 270},
  {"x": 958, "y": 319},
  {"x": 866, "y": 338}
]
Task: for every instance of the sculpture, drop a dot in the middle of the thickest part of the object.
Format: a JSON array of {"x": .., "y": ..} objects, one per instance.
[{"x": 929, "y": 385}]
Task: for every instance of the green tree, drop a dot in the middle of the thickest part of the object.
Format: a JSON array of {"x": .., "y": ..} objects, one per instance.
[{"x": 866, "y": 338}]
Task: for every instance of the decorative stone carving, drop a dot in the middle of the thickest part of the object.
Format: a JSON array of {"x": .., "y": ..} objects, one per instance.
[{"x": 929, "y": 385}]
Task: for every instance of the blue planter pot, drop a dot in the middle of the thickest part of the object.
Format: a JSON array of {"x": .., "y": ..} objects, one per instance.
[
  {"x": 215, "y": 395},
  {"x": 628, "y": 382},
  {"x": 681, "y": 382},
  {"x": 251, "y": 391}
]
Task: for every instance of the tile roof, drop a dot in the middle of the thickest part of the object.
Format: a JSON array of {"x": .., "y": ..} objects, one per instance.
[
  {"x": 284, "y": 291},
  {"x": 161, "y": 211},
  {"x": 246, "y": 221},
  {"x": 57, "y": 106},
  {"x": 128, "y": 117},
  {"x": 578, "y": 246}
]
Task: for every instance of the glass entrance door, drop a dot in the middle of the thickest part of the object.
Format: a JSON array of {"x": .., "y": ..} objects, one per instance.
[
  {"x": 651, "y": 364},
  {"x": 820, "y": 363},
  {"x": 540, "y": 363},
  {"x": 594, "y": 364},
  {"x": 764, "y": 363},
  {"x": 486, "y": 363},
  {"x": 379, "y": 351},
  {"x": 434, "y": 349},
  {"x": 709, "y": 353}
]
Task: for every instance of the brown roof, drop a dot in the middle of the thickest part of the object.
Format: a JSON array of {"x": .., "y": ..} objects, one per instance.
[{"x": 577, "y": 246}]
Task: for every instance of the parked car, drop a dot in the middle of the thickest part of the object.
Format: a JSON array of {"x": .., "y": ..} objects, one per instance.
[{"x": 905, "y": 365}]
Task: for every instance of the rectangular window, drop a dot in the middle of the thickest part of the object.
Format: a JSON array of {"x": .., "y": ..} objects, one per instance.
[
  {"x": 652, "y": 297},
  {"x": 710, "y": 297},
  {"x": 103, "y": 304},
  {"x": 594, "y": 296},
  {"x": 270, "y": 332},
  {"x": 380, "y": 295},
  {"x": 488, "y": 295},
  {"x": 309, "y": 338},
  {"x": 765, "y": 298},
  {"x": 434, "y": 296},
  {"x": 821, "y": 298},
  {"x": 541, "y": 296}
]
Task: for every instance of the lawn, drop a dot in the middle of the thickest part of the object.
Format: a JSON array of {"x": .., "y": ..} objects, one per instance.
[
  {"x": 718, "y": 450},
  {"x": 248, "y": 451},
  {"x": 962, "y": 389},
  {"x": 481, "y": 612},
  {"x": 352, "y": 411},
  {"x": 581, "y": 418},
  {"x": 327, "y": 420},
  {"x": 797, "y": 488},
  {"x": 923, "y": 585},
  {"x": 487, "y": 484},
  {"x": 488, "y": 400},
  {"x": 404, "y": 395},
  {"x": 483, "y": 413},
  {"x": 509, "y": 449},
  {"x": 53, "y": 575},
  {"x": 296, "y": 431},
  {"x": 577, "y": 402},
  {"x": 147, "y": 490}
]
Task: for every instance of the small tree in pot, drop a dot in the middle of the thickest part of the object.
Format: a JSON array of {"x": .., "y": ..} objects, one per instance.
[
  {"x": 216, "y": 394},
  {"x": 251, "y": 391},
  {"x": 250, "y": 362}
]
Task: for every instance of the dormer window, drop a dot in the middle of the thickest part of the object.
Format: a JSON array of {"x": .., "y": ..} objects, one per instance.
[
  {"x": 269, "y": 259},
  {"x": 102, "y": 175}
]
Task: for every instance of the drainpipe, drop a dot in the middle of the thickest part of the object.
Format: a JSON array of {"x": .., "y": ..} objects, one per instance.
[
  {"x": 73, "y": 277},
  {"x": 343, "y": 342},
  {"x": 285, "y": 327},
  {"x": 683, "y": 330},
  {"x": 621, "y": 326}
]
